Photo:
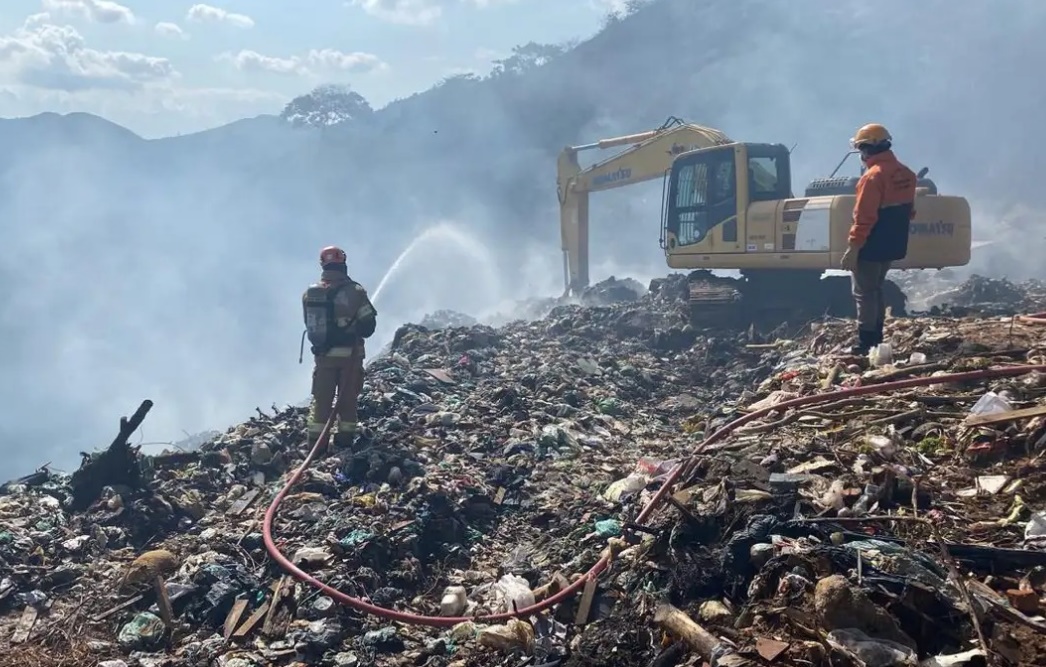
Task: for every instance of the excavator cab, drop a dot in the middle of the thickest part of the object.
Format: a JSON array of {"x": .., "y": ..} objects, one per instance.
[{"x": 705, "y": 204}]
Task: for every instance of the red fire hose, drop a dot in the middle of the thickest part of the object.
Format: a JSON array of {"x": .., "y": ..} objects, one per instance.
[{"x": 658, "y": 498}]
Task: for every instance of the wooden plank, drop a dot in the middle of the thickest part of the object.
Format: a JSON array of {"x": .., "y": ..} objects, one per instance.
[
  {"x": 282, "y": 587},
  {"x": 25, "y": 625},
  {"x": 163, "y": 601},
  {"x": 585, "y": 608},
  {"x": 244, "y": 501},
  {"x": 1001, "y": 417},
  {"x": 120, "y": 607},
  {"x": 251, "y": 621},
  {"x": 233, "y": 618}
]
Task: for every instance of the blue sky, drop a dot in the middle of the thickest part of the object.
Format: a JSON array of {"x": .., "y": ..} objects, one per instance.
[{"x": 162, "y": 67}]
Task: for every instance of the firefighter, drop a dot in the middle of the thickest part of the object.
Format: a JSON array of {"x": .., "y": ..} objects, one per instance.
[
  {"x": 338, "y": 317},
  {"x": 882, "y": 218}
]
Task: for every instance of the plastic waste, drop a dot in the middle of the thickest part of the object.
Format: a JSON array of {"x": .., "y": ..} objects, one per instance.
[
  {"x": 881, "y": 355},
  {"x": 454, "y": 601},
  {"x": 871, "y": 651},
  {"x": 512, "y": 593},
  {"x": 144, "y": 631},
  {"x": 655, "y": 468},
  {"x": 835, "y": 496},
  {"x": 319, "y": 636},
  {"x": 881, "y": 444},
  {"x": 917, "y": 358},
  {"x": 608, "y": 528},
  {"x": 631, "y": 484},
  {"x": 1035, "y": 530},
  {"x": 868, "y": 498},
  {"x": 990, "y": 404},
  {"x": 953, "y": 660}
]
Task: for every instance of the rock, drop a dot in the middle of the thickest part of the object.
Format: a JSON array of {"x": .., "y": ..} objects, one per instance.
[
  {"x": 841, "y": 605},
  {"x": 1024, "y": 600},
  {"x": 516, "y": 635},
  {"x": 713, "y": 611},
  {"x": 346, "y": 660}
]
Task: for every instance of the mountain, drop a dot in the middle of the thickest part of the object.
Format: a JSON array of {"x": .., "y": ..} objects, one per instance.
[{"x": 171, "y": 268}]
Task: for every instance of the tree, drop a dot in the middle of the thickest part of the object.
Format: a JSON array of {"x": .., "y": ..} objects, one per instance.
[
  {"x": 527, "y": 57},
  {"x": 326, "y": 106}
]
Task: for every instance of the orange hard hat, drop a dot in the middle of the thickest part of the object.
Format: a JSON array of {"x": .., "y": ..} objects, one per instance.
[
  {"x": 871, "y": 134},
  {"x": 332, "y": 255}
]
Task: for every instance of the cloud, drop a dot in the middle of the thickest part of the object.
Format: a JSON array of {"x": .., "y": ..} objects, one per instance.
[
  {"x": 99, "y": 11},
  {"x": 168, "y": 29},
  {"x": 209, "y": 14},
  {"x": 312, "y": 62},
  {"x": 406, "y": 12},
  {"x": 416, "y": 12},
  {"x": 41, "y": 54}
]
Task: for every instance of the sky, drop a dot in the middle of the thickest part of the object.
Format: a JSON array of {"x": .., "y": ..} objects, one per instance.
[{"x": 167, "y": 67}]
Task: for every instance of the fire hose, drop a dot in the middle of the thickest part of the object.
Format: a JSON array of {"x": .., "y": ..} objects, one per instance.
[{"x": 653, "y": 504}]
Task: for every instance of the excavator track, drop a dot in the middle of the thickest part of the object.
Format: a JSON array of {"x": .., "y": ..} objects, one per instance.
[
  {"x": 715, "y": 302},
  {"x": 768, "y": 299}
]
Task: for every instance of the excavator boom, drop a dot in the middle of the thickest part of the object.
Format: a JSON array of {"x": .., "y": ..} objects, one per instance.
[{"x": 649, "y": 156}]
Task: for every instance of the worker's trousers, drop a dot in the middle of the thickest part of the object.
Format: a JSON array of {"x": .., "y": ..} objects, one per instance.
[
  {"x": 867, "y": 282},
  {"x": 339, "y": 372}
]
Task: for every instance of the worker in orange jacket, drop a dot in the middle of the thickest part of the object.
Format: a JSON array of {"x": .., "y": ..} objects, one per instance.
[
  {"x": 882, "y": 218},
  {"x": 338, "y": 317}
]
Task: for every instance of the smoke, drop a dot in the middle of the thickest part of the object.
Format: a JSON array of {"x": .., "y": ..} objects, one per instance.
[{"x": 173, "y": 269}]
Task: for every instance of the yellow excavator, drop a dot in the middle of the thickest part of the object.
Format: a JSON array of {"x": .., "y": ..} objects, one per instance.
[{"x": 729, "y": 205}]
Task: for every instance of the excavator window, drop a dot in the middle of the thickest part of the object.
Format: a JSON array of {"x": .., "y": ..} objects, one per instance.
[
  {"x": 762, "y": 179},
  {"x": 704, "y": 195}
]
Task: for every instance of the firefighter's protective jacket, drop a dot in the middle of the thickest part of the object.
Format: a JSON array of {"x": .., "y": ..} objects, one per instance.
[{"x": 353, "y": 315}]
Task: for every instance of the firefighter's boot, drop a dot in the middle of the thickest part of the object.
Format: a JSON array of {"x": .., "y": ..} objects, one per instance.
[
  {"x": 345, "y": 436},
  {"x": 866, "y": 340}
]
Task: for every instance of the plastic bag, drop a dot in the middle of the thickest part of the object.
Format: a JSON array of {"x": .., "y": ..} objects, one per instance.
[
  {"x": 990, "y": 404},
  {"x": 873, "y": 652},
  {"x": 881, "y": 355},
  {"x": 512, "y": 593},
  {"x": 631, "y": 484}
]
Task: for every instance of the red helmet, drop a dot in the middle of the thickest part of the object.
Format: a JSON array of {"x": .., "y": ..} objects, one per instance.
[{"x": 332, "y": 255}]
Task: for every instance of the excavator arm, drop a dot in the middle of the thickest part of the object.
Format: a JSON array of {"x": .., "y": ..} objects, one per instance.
[{"x": 649, "y": 156}]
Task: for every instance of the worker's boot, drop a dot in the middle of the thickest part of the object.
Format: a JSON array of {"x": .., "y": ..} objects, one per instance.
[
  {"x": 878, "y": 332},
  {"x": 345, "y": 436},
  {"x": 865, "y": 341}
]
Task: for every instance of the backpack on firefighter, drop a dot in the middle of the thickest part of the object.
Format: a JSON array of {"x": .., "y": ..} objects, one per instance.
[{"x": 324, "y": 329}]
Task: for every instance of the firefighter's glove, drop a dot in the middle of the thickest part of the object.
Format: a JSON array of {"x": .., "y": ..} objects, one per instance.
[{"x": 849, "y": 260}]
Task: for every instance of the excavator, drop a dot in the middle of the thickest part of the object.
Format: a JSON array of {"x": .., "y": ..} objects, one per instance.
[{"x": 729, "y": 205}]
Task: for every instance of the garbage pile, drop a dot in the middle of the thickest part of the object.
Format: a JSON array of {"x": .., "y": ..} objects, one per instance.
[
  {"x": 943, "y": 292},
  {"x": 499, "y": 464}
]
